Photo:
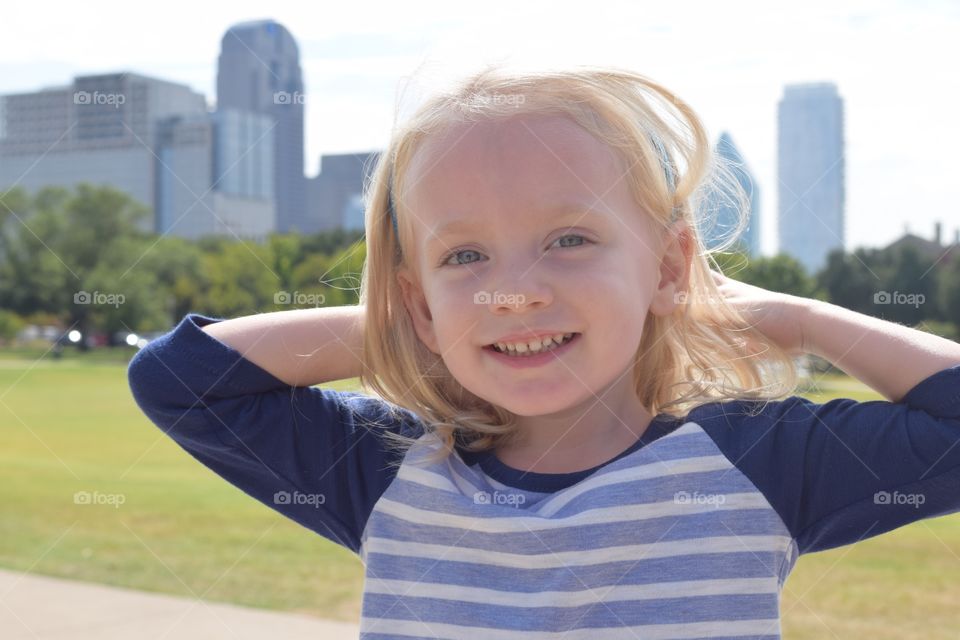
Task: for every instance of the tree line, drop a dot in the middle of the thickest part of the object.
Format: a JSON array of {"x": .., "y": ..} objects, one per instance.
[{"x": 78, "y": 259}]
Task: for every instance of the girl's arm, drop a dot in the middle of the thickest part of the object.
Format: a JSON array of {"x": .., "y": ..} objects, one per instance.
[
  {"x": 313, "y": 454},
  {"x": 301, "y": 347},
  {"x": 889, "y": 357}
]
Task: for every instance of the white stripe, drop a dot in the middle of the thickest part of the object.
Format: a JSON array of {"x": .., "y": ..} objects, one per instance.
[
  {"x": 657, "y": 469},
  {"x": 568, "y": 599},
  {"x": 709, "y": 629},
  {"x": 586, "y": 557},
  {"x": 602, "y": 515},
  {"x": 426, "y": 478},
  {"x": 685, "y": 429}
]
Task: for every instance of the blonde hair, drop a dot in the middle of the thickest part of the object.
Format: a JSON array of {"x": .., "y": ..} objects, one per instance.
[{"x": 694, "y": 356}]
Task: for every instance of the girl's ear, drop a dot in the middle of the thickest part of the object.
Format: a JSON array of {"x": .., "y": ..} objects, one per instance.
[
  {"x": 416, "y": 305},
  {"x": 674, "y": 269}
]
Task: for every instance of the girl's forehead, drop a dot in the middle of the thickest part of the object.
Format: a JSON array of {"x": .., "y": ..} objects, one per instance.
[
  {"x": 522, "y": 133},
  {"x": 525, "y": 157}
]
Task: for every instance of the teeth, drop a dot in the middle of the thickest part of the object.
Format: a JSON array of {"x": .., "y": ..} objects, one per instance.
[{"x": 534, "y": 346}]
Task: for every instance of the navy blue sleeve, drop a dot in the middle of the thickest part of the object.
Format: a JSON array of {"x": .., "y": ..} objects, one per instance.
[
  {"x": 312, "y": 454},
  {"x": 843, "y": 471}
]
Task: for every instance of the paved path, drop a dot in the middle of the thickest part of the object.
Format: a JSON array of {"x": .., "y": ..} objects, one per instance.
[{"x": 42, "y": 608}]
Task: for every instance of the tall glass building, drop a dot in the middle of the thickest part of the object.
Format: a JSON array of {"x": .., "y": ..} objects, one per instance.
[
  {"x": 721, "y": 215},
  {"x": 810, "y": 153},
  {"x": 259, "y": 72}
]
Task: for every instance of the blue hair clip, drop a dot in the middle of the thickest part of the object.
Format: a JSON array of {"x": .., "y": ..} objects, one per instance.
[
  {"x": 668, "y": 169},
  {"x": 391, "y": 210}
]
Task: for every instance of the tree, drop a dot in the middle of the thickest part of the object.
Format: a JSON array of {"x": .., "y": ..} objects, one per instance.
[
  {"x": 178, "y": 266},
  {"x": 336, "y": 277},
  {"x": 241, "y": 280},
  {"x": 780, "y": 273},
  {"x": 949, "y": 291},
  {"x": 848, "y": 280},
  {"x": 910, "y": 282},
  {"x": 60, "y": 250}
]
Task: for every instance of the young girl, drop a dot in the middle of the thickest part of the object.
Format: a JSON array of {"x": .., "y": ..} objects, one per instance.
[{"x": 578, "y": 428}]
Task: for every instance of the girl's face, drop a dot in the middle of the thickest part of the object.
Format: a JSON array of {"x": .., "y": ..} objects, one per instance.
[{"x": 526, "y": 226}]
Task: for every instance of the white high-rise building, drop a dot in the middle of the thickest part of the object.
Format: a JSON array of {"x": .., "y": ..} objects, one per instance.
[
  {"x": 102, "y": 129},
  {"x": 198, "y": 173},
  {"x": 810, "y": 152}
]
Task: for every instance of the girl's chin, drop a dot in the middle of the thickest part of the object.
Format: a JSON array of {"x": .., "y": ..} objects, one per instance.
[{"x": 530, "y": 407}]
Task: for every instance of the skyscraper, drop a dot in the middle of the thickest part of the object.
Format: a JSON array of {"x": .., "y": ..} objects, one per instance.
[
  {"x": 104, "y": 129},
  {"x": 810, "y": 153},
  {"x": 151, "y": 139},
  {"x": 335, "y": 195},
  {"x": 259, "y": 72},
  {"x": 722, "y": 213},
  {"x": 215, "y": 176}
]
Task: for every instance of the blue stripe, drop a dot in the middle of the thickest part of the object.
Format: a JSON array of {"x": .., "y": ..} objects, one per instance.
[
  {"x": 601, "y": 614},
  {"x": 642, "y": 491},
  {"x": 587, "y": 536},
  {"x": 707, "y": 566}
]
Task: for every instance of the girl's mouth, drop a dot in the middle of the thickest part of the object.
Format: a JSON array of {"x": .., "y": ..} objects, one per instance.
[{"x": 522, "y": 360}]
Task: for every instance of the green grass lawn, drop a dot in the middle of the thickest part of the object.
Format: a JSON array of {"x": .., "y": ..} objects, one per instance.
[{"x": 71, "y": 425}]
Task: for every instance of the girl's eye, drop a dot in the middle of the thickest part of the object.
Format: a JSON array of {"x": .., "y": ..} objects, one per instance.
[{"x": 454, "y": 254}]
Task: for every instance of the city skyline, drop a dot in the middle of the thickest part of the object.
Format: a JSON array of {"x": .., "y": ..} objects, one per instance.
[{"x": 352, "y": 81}]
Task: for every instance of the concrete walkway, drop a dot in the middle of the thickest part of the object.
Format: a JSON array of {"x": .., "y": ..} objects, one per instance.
[{"x": 42, "y": 608}]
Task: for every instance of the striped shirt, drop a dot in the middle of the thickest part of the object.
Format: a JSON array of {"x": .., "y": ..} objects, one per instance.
[{"x": 688, "y": 533}]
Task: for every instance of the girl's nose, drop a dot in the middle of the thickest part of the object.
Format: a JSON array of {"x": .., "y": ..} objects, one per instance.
[{"x": 526, "y": 286}]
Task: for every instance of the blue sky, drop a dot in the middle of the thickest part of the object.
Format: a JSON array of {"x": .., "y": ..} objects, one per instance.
[{"x": 893, "y": 63}]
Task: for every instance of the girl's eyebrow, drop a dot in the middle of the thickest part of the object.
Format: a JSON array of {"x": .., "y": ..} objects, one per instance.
[{"x": 556, "y": 213}]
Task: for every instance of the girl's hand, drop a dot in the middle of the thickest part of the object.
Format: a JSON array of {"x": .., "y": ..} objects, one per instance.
[{"x": 778, "y": 316}]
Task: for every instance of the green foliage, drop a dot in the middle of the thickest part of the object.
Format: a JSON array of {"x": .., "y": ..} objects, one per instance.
[
  {"x": 10, "y": 325},
  {"x": 848, "y": 277},
  {"x": 948, "y": 330},
  {"x": 58, "y": 243},
  {"x": 241, "y": 281},
  {"x": 780, "y": 273},
  {"x": 177, "y": 265},
  {"x": 898, "y": 284},
  {"x": 60, "y": 247},
  {"x": 949, "y": 290}
]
